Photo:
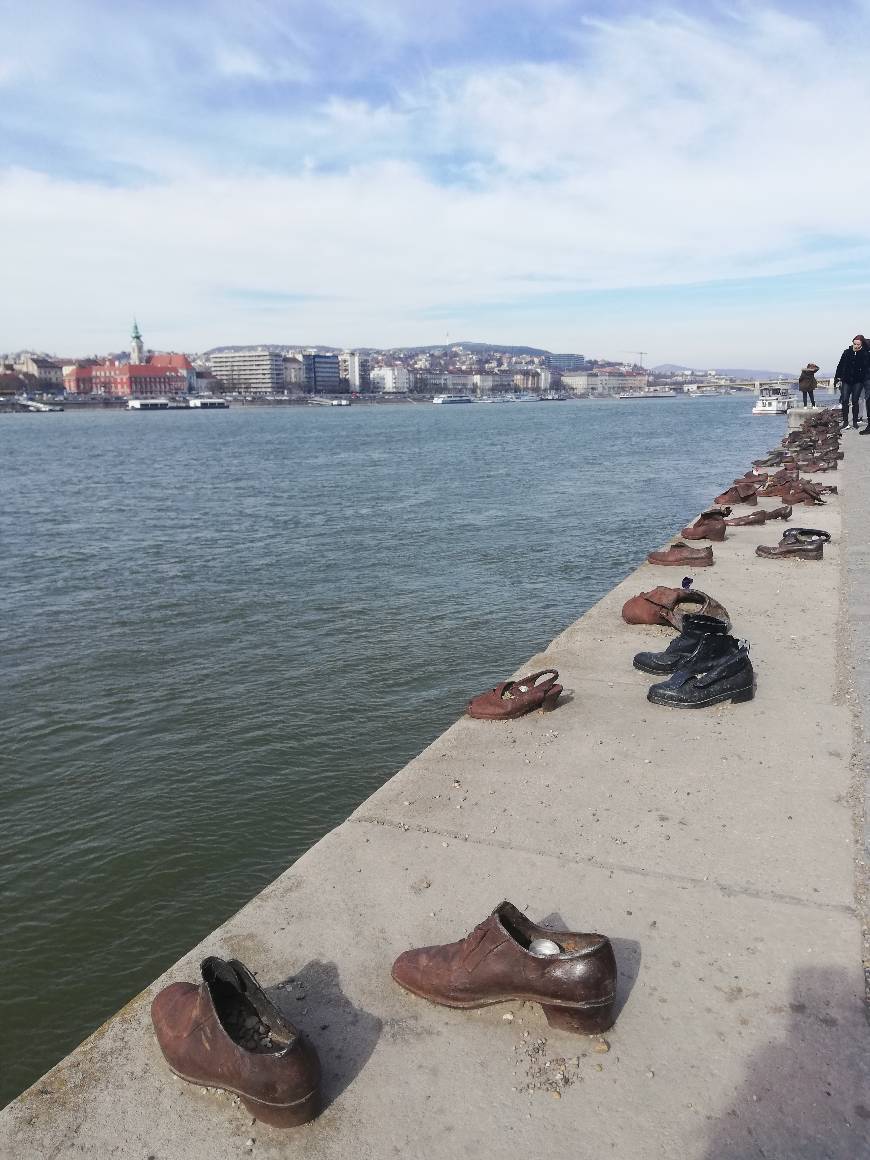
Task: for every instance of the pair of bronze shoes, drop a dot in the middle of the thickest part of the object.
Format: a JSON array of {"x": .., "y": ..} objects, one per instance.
[
  {"x": 226, "y": 1033},
  {"x": 511, "y": 699}
]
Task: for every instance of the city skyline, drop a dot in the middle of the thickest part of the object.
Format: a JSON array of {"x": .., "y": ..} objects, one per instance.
[{"x": 572, "y": 176}]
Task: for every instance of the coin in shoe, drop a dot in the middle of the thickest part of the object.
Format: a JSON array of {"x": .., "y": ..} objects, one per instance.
[
  {"x": 226, "y": 1033},
  {"x": 496, "y": 964}
]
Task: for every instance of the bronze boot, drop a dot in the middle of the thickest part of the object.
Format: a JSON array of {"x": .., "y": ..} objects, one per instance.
[
  {"x": 576, "y": 987},
  {"x": 226, "y": 1033}
]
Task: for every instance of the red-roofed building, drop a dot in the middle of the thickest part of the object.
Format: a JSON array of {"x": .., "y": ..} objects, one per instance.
[{"x": 156, "y": 377}]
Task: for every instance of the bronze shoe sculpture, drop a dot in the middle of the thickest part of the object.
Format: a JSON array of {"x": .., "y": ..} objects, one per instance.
[
  {"x": 757, "y": 517},
  {"x": 511, "y": 699},
  {"x": 499, "y": 963},
  {"x": 668, "y": 606},
  {"x": 790, "y": 549},
  {"x": 682, "y": 556},
  {"x": 710, "y": 525},
  {"x": 226, "y": 1034},
  {"x": 739, "y": 493}
]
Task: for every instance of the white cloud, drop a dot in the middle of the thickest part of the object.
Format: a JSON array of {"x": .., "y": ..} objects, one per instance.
[{"x": 669, "y": 151}]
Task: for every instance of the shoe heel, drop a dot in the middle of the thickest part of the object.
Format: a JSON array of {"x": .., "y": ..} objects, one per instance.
[
  {"x": 580, "y": 1020},
  {"x": 287, "y": 1115},
  {"x": 549, "y": 702},
  {"x": 743, "y": 695}
]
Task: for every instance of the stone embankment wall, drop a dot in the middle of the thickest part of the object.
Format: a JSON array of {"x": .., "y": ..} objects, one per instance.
[{"x": 716, "y": 848}]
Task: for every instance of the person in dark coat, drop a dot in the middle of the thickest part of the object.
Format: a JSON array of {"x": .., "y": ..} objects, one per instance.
[
  {"x": 807, "y": 383},
  {"x": 853, "y": 375}
]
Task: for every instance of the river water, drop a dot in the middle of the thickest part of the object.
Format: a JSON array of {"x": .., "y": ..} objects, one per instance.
[{"x": 223, "y": 630}]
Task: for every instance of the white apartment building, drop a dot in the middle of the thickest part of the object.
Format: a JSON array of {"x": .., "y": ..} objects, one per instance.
[
  {"x": 357, "y": 369},
  {"x": 391, "y": 380},
  {"x": 250, "y": 370},
  {"x": 590, "y": 383}
]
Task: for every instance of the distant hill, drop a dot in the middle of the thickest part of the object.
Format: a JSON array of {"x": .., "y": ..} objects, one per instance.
[
  {"x": 471, "y": 347},
  {"x": 274, "y": 346},
  {"x": 728, "y": 372}
]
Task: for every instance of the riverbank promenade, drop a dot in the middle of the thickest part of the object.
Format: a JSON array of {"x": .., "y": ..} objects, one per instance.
[{"x": 719, "y": 849}]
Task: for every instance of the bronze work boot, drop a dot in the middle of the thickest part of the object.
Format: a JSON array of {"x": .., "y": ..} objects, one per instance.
[
  {"x": 225, "y": 1033},
  {"x": 739, "y": 493},
  {"x": 681, "y": 555},
  {"x": 498, "y": 963},
  {"x": 709, "y": 525}
]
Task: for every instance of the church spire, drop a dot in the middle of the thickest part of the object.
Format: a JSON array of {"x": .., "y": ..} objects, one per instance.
[{"x": 137, "y": 347}]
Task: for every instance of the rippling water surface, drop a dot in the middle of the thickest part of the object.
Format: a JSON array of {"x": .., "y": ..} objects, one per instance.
[{"x": 223, "y": 630}]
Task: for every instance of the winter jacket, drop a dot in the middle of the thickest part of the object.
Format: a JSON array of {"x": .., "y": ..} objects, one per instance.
[
  {"x": 807, "y": 381},
  {"x": 854, "y": 365}
]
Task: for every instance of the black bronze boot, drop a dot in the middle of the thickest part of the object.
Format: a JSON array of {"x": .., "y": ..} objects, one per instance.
[
  {"x": 730, "y": 678},
  {"x": 681, "y": 651}
]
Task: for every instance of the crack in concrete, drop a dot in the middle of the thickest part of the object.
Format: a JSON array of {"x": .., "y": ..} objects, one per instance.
[{"x": 729, "y": 890}]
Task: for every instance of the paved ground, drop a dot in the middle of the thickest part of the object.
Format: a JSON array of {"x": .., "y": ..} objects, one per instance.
[{"x": 716, "y": 848}]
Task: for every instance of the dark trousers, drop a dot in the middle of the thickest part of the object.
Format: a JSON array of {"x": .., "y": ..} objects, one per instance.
[
  {"x": 812, "y": 397},
  {"x": 851, "y": 393}
]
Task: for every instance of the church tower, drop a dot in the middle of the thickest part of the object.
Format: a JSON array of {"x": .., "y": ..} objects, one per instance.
[{"x": 137, "y": 347}]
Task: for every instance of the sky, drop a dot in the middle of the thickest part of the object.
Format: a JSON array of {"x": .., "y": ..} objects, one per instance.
[{"x": 687, "y": 179}]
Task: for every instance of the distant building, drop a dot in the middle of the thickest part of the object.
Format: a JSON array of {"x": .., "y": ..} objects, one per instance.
[
  {"x": 536, "y": 379},
  {"x": 603, "y": 384},
  {"x": 391, "y": 380},
  {"x": 294, "y": 372},
  {"x": 321, "y": 373},
  {"x": 154, "y": 376},
  {"x": 256, "y": 370},
  {"x": 567, "y": 362},
  {"x": 356, "y": 370},
  {"x": 125, "y": 381},
  {"x": 47, "y": 372}
]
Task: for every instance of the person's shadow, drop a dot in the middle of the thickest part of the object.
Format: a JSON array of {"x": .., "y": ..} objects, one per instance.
[
  {"x": 807, "y": 1096},
  {"x": 344, "y": 1035}
]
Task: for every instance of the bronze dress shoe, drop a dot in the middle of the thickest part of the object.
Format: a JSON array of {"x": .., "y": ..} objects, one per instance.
[
  {"x": 226, "y": 1034},
  {"x": 681, "y": 555},
  {"x": 788, "y": 549},
  {"x": 739, "y": 493},
  {"x": 758, "y": 517},
  {"x": 576, "y": 987}
]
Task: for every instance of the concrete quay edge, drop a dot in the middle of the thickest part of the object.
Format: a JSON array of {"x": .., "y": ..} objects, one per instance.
[{"x": 717, "y": 848}]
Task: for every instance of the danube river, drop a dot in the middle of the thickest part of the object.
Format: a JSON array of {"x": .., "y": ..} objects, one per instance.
[{"x": 223, "y": 630}]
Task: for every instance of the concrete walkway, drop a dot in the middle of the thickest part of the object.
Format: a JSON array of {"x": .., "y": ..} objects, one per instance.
[{"x": 715, "y": 847}]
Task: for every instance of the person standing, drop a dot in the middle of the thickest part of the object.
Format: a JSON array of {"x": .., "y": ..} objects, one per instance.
[
  {"x": 807, "y": 383},
  {"x": 853, "y": 374}
]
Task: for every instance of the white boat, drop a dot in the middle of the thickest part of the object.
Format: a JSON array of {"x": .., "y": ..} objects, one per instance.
[
  {"x": 204, "y": 403},
  {"x": 147, "y": 404},
  {"x": 661, "y": 393},
  {"x": 452, "y": 399},
  {"x": 340, "y": 403},
  {"x": 773, "y": 400}
]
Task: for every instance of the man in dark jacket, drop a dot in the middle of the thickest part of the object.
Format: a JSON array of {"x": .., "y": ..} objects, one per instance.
[{"x": 853, "y": 373}]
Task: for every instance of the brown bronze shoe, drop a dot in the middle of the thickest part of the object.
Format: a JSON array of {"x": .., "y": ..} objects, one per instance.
[
  {"x": 792, "y": 550},
  {"x": 758, "y": 517},
  {"x": 739, "y": 493},
  {"x": 710, "y": 525},
  {"x": 780, "y": 513},
  {"x": 668, "y": 606},
  {"x": 225, "y": 1033},
  {"x": 681, "y": 555},
  {"x": 575, "y": 985},
  {"x": 510, "y": 699}
]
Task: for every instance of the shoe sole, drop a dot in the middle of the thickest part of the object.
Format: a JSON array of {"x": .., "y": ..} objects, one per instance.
[
  {"x": 290, "y": 1115},
  {"x": 735, "y": 698},
  {"x": 580, "y": 1018}
]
